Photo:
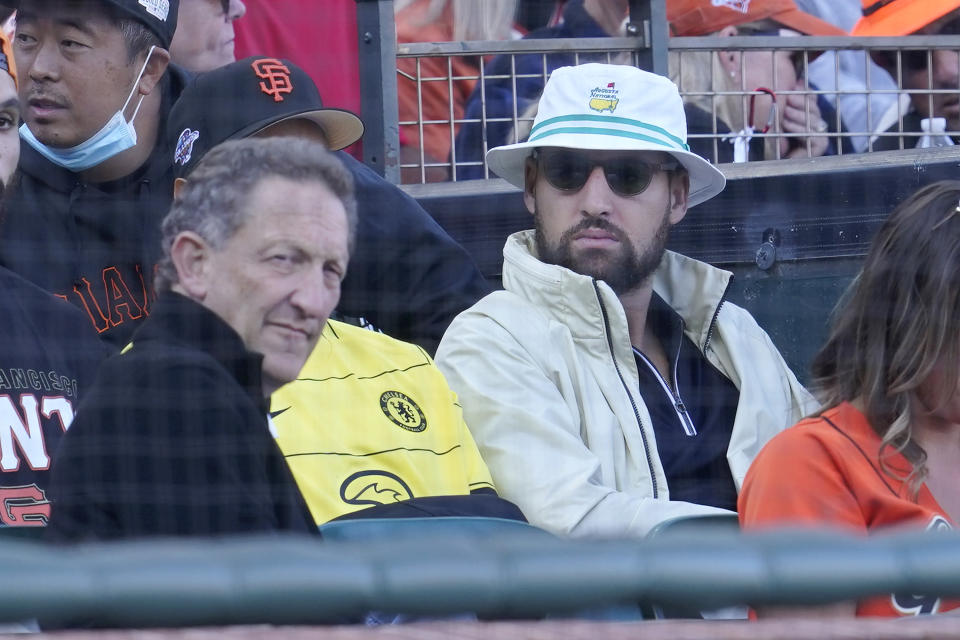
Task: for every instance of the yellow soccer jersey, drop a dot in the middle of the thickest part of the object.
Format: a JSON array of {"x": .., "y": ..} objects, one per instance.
[{"x": 371, "y": 420}]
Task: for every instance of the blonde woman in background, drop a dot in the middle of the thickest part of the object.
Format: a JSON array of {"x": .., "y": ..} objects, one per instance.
[{"x": 737, "y": 97}]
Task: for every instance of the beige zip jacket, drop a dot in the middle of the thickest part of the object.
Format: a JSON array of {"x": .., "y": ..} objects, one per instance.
[{"x": 548, "y": 382}]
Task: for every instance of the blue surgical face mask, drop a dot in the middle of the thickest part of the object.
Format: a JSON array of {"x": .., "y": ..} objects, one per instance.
[{"x": 114, "y": 137}]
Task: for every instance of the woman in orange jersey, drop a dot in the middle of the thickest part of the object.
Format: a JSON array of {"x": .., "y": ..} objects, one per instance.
[{"x": 886, "y": 450}]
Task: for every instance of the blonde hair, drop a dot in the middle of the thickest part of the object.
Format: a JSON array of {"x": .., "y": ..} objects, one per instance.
[
  {"x": 472, "y": 19},
  {"x": 704, "y": 83},
  {"x": 702, "y": 80}
]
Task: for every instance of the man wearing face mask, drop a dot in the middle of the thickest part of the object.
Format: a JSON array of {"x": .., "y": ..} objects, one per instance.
[{"x": 95, "y": 88}]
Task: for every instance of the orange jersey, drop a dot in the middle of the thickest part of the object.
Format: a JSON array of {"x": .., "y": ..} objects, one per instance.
[{"x": 826, "y": 470}]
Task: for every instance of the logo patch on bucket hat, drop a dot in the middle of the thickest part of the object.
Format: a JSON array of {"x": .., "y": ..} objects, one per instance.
[{"x": 605, "y": 98}]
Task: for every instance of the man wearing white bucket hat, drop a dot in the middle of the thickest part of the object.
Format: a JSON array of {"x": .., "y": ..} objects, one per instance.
[{"x": 610, "y": 387}]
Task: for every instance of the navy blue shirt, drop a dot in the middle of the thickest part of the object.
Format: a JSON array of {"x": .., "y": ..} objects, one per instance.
[{"x": 693, "y": 414}]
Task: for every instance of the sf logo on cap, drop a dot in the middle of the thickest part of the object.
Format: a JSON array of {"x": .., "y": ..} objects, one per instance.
[{"x": 275, "y": 75}]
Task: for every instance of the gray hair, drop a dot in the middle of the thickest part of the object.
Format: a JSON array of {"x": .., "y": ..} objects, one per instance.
[{"x": 214, "y": 202}]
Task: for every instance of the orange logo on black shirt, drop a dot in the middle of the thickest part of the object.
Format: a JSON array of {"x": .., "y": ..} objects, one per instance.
[
  {"x": 25, "y": 506},
  {"x": 276, "y": 77}
]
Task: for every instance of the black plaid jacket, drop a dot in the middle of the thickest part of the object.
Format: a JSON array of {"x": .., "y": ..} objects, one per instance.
[{"x": 173, "y": 440}]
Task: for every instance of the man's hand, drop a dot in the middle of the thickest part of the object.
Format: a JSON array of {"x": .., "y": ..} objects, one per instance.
[{"x": 801, "y": 115}]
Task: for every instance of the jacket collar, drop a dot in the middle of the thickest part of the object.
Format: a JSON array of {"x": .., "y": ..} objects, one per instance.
[
  {"x": 692, "y": 288},
  {"x": 176, "y": 319}
]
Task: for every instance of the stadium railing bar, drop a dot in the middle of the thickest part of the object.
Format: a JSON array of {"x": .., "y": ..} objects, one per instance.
[{"x": 291, "y": 580}]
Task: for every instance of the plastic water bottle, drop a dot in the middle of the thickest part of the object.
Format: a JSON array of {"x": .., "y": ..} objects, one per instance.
[{"x": 933, "y": 133}]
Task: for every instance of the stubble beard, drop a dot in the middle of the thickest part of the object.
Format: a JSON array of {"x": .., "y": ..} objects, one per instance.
[{"x": 624, "y": 270}]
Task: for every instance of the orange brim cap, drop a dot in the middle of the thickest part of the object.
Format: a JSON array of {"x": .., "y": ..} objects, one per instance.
[
  {"x": 702, "y": 17},
  {"x": 903, "y": 17},
  {"x": 807, "y": 24}
]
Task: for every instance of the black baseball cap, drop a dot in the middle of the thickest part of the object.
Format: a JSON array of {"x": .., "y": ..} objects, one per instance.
[
  {"x": 160, "y": 16},
  {"x": 244, "y": 97}
]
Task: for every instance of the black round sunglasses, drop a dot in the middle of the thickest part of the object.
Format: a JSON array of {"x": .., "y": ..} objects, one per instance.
[{"x": 569, "y": 170}]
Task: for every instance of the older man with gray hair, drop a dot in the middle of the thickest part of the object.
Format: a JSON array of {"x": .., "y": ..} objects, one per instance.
[{"x": 174, "y": 438}]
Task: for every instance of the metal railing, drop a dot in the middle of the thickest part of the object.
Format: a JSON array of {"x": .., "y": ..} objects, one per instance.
[
  {"x": 394, "y": 143},
  {"x": 294, "y": 580},
  {"x": 378, "y": 50},
  {"x": 578, "y": 50},
  {"x": 823, "y": 54}
]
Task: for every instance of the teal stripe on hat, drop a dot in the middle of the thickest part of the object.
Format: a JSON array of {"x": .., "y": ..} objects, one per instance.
[
  {"x": 606, "y": 132},
  {"x": 589, "y": 117}
]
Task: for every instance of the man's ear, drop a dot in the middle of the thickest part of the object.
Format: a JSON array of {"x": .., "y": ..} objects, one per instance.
[
  {"x": 178, "y": 185},
  {"x": 190, "y": 255},
  {"x": 729, "y": 60},
  {"x": 156, "y": 67},
  {"x": 679, "y": 192},
  {"x": 530, "y": 183}
]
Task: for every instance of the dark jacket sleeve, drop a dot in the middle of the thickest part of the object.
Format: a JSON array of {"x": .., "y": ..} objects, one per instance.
[
  {"x": 186, "y": 458},
  {"x": 407, "y": 276}
]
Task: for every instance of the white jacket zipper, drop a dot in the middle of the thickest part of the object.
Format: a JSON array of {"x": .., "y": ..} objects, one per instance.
[{"x": 685, "y": 421}]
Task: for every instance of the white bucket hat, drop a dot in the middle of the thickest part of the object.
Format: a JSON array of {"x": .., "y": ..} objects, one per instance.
[{"x": 615, "y": 108}]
